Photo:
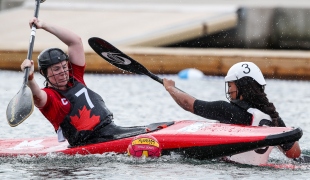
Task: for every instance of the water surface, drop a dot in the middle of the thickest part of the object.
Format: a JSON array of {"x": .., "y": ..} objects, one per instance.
[{"x": 138, "y": 100}]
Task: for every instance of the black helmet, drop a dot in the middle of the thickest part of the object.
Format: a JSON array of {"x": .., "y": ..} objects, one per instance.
[{"x": 50, "y": 57}]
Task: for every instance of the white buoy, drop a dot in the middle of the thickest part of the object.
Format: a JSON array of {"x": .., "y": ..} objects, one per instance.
[{"x": 190, "y": 73}]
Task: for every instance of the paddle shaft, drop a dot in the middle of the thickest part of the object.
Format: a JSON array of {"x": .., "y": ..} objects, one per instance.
[
  {"x": 160, "y": 80},
  {"x": 31, "y": 42},
  {"x": 21, "y": 105},
  {"x": 156, "y": 78}
]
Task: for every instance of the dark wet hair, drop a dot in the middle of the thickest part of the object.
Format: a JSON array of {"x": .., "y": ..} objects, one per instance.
[{"x": 254, "y": 94}]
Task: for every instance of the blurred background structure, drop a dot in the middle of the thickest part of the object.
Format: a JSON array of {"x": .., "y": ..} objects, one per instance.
[
  {"x": 8, "y": 4},
  {"x": 170, "y": 35}
]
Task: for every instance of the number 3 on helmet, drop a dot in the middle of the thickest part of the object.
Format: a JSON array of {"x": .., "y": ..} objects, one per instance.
[{"x": 245, "y": 69}]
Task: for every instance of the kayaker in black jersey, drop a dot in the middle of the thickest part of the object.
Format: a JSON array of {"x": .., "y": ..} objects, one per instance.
[{"x": 248, "y": 103}]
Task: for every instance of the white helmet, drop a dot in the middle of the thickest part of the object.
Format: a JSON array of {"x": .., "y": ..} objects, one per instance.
[{"x": 243, "y": 69}]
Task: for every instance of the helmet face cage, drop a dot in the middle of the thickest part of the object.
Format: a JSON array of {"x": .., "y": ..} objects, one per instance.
[
  {"x": 227, "y": 93},
  {"x": 68, "y": 69},
  {"x": 56, "y": 85}
]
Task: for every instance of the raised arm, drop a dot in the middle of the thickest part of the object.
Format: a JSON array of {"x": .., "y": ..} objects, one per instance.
[
  {"x": 182, "y": 99},
  {"x": 72, "y": 40}
]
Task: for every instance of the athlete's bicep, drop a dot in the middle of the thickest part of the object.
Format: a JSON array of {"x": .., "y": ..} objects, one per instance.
[{"x": 76, "y": 53}]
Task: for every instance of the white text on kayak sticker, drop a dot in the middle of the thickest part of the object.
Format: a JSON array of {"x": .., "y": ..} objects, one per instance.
[
  {"x": 194, "y": 127},
  {"x": 28, "y": 144}
]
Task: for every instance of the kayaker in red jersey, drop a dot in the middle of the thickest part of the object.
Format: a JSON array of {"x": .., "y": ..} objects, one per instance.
[
  {"x": 77, "y": 113},
  {"x": 248, "y": 103}
]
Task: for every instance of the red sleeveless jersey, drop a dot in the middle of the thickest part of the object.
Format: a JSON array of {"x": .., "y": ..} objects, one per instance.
[{"x": 57, "y": 106}]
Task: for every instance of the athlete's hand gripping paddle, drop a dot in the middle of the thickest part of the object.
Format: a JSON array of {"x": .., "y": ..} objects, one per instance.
[{"x": 21, "y": 106}]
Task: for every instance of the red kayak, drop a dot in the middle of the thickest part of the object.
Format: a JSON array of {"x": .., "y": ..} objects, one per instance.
[{"x": 196, "y": 139}]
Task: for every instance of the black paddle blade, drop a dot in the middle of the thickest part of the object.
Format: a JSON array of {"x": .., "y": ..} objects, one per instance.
[
  {"x": 117, "y": 58},
  {"x": 20, "y": 107},
  {"x": 114, "y": 56}
]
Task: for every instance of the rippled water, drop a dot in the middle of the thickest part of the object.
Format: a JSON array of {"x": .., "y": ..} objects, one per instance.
[{"x": 138, "y": 100}]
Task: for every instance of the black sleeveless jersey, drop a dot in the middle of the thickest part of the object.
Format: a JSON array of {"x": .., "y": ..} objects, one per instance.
[{"x": 88, "y": 113}]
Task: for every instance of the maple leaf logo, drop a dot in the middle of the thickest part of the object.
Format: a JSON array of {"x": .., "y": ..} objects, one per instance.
[{"x": 84, "y": 122}]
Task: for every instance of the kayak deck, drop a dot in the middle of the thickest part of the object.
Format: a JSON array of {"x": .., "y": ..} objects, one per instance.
[{"x": 197, "y": 139}]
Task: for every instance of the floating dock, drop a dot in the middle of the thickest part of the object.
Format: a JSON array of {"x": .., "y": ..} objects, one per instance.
[{"x": 139, "y": 31}]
